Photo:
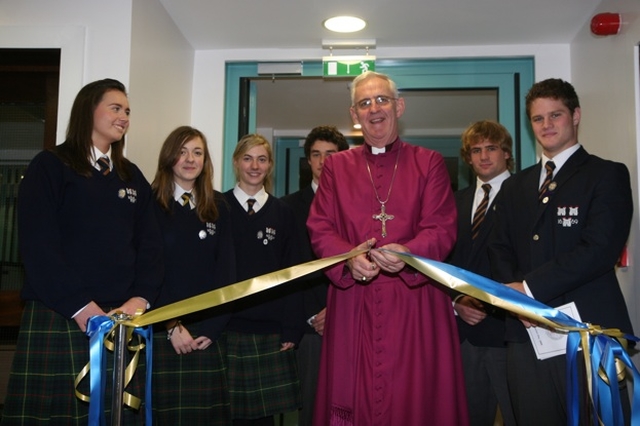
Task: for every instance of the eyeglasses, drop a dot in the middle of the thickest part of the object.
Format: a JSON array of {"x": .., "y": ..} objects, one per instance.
[{"x": 380, "y": 101}]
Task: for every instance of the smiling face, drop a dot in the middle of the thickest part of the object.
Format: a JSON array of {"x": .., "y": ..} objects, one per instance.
[
  {"x": 379, "y": 122},
  {"x": 190, "y": 163},
  {"x": 555, "y": 128},
  {"x": 110, "y": 119},
  {"x": 252, "y": 168},
  {"x": 488, "y": 159}
]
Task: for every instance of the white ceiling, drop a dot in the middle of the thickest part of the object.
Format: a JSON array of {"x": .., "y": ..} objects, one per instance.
[
  {"x": 305, "y": 103},
  {"x": 257, "y": 24}
]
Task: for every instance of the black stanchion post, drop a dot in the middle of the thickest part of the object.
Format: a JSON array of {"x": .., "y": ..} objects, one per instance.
[{"x": 120, "y": 346}]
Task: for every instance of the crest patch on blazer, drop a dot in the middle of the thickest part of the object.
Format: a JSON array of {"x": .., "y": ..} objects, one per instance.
[{"x": 567, "y": 216}]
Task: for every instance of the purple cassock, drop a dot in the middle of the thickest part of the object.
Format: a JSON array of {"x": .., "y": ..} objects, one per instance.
[{"x": 390, "y": 354}]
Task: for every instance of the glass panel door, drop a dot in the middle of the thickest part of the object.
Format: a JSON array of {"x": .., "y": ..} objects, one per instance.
[{"x": 505, "y": 80}]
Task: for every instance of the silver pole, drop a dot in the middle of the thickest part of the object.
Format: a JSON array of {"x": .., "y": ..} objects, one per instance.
[{"x": 119, "y": 352}]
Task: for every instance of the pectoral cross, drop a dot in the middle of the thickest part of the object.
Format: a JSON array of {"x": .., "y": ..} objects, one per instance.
[{"x": 383, "y": 217}]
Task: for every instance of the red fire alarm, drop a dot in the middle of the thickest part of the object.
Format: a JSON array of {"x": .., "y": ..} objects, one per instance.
[{"x": 605, "y": 24}]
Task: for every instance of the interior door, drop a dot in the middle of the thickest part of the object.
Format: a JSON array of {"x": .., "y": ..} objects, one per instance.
[{"x": 509, "y": 78}]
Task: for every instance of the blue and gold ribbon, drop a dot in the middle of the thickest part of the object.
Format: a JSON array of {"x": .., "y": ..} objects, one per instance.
[
  {"x": 601, "y": 348},
  {"x": 101, "y": 331}
]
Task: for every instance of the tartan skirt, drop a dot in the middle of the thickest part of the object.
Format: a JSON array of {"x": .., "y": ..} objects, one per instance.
[
  {"x": 262, "y": 380},
  {"x": 50, "y": 353},
  {"x": 189, "y": 389}
]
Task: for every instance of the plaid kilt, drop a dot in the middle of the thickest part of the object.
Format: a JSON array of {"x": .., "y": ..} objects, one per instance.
[
  {"x": 262, "y": 380},
  {"x": 50, "y": 353},
  {"x": 190, "y": 389}
]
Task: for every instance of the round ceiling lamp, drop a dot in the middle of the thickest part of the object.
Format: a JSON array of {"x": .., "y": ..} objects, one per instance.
[{"x": 344, "y": 24}]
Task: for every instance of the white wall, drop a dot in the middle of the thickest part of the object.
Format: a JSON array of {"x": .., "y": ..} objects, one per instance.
[
  {"x": 108, "y": 25},
  {"x": 134, "y": 42},
  {"x": 605, "y": 75},
  {"x": 161, "y": 83},
  {"x": 95, "y": 40},
  {"x": 209, "y": 79}
]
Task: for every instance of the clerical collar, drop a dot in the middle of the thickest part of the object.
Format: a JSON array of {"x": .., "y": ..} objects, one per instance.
[{"x": 375, "y": 150}]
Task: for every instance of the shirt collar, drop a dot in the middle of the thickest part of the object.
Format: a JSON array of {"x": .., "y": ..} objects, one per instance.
[
  {"x": 178, "y": 191},
  {"x": 559, "y": 159},
  {"x": 495, "y": 183},
  {"x": 242, "y": 197},
  {"x": 96, "y": 153}
]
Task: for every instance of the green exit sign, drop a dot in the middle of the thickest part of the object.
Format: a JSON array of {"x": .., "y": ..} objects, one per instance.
[{"x": 347, "y": 66}]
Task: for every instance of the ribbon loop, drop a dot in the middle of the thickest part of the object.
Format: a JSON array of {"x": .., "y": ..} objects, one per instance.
[{"x": 101, "y": 332}]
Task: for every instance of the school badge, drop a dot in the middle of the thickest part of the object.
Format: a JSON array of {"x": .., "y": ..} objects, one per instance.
[
  {"x": 269, "y": 234},
  {"x": 567, "y": 216},
  {"x": 129, "y": 193}
]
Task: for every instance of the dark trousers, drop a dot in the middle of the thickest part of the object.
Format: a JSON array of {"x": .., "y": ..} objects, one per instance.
[
  {"x": 308, "y": 358},
  {"x": 485, "y": 377},
  {"x": 538, "y": 388}
]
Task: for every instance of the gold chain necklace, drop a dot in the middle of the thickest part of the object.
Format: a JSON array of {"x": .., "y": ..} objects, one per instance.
[{"x": 383, "y": 216}]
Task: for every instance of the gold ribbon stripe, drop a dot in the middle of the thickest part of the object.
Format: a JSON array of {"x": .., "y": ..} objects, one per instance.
[{"x": 236, "y": 291}]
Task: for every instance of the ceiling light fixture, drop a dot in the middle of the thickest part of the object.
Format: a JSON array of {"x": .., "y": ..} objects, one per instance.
[{"x": 344, "y": 24}]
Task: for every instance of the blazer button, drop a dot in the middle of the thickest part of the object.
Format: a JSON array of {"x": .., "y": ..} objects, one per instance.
[
  {"x": 536, "y": 237},
  {"x": 545, "y": 200}
]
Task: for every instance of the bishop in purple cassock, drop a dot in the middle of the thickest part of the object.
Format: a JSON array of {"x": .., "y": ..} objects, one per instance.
[{"x": 390, "y": 354}]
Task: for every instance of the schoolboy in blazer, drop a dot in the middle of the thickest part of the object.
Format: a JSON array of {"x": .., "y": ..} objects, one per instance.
[
  {"x": 487, "y": 148},
  {"x": 560, "y": 245}
]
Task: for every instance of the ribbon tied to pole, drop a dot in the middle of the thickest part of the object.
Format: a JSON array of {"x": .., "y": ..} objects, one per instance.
[
  {"x": 603, "y": 350},
  {"x": 101, "y": 332}
]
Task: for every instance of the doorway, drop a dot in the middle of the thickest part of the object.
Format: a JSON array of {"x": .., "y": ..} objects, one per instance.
[
  {"x": 493, "y": 88},
  {"x": 433, "y": 119}
]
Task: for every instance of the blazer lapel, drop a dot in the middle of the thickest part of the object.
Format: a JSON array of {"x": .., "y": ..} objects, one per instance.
[
  {"x": 464, "y": 213},
  {"x": 570, "y": 167}
]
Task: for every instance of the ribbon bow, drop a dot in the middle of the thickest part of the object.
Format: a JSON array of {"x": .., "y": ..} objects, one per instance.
[{"x": 101, "y": 332}]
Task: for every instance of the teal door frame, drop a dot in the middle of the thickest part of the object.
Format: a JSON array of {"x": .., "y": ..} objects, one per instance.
[{"x": 511, "y": 77}]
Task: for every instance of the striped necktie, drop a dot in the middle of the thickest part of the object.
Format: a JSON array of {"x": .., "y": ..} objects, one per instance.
[
  {"x": 104, "y": 164},
  {"x": 186, "y": 197},
  {"x": 481, "y": 211},
  {"x": 550, "y": 167},
  {"x": 250, "y": 203}
]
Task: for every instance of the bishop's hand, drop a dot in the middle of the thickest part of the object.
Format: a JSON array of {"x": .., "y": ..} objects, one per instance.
[
  {"x": 387, "y": 261},
  {"x": 361, "y": 267}
]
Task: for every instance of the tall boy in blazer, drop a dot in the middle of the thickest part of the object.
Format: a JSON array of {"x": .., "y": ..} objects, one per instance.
[{"x": 558, "y": 239}]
